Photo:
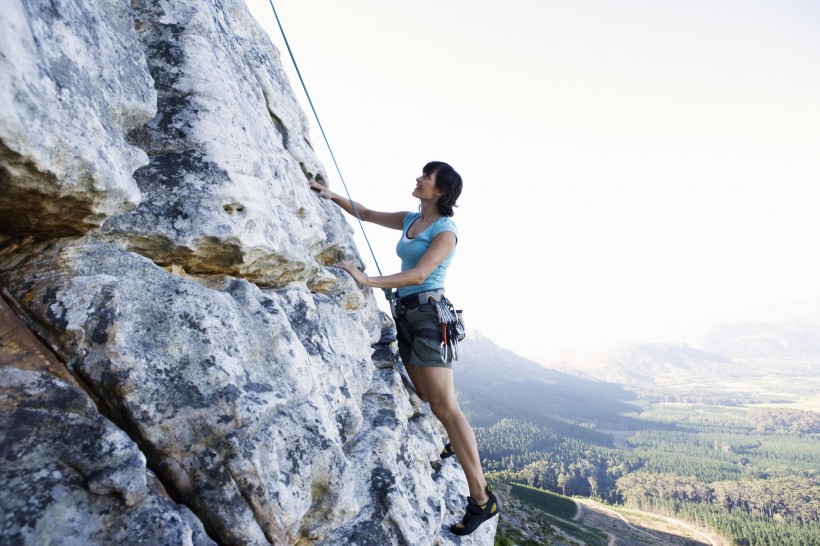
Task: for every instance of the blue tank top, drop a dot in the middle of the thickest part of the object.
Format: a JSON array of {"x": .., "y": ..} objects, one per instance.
[{"x": 411, "y": 250}]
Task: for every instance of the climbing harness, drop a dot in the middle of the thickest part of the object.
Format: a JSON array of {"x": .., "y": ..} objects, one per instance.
[
  {"x": 387, "y": 292},
  {"x": 450, "y": 320}
]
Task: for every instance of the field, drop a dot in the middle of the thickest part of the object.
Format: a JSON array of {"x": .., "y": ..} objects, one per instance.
[{"x": 529, "y": 521}]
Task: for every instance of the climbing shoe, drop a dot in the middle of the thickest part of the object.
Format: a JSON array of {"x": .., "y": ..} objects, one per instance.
[
  {"x": 476, "y": 514},
  {"x": 447, "y": 451}
]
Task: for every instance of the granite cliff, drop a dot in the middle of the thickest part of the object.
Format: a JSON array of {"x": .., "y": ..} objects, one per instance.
[{"x": 179, "y": 361}]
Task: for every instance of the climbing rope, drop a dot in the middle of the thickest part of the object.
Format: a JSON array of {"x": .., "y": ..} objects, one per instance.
[{"x": 327, "y": 143}]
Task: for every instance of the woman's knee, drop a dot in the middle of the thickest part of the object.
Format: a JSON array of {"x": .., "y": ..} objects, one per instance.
[{"x": 444, "y": 408}]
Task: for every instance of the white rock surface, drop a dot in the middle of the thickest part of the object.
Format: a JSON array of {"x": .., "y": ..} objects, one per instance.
[
  {"x": 71, "y": 477},
  {"x": 220, "y": 352},
  {"x": 226, "y": 188},
  {"x": 74, "y": 83}
]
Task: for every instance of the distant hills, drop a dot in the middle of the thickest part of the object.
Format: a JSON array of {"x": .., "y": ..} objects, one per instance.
[
  {"x": 642, "y": 364},
  {"x": 770, "y": 358},
  {"x": 782, "y": 332},
  {"x": 773, "y": 357},
  {"x": 494, "y": 383}
]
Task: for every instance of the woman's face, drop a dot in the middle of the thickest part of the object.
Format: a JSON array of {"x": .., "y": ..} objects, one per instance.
[{"x": 426, "y": 187}]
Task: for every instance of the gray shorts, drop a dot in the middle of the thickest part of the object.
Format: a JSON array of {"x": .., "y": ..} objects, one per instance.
[{"x": 420, "y": 350}]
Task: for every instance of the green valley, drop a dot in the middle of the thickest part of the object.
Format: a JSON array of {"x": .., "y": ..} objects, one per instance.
[{"x": 746, "y": 469}]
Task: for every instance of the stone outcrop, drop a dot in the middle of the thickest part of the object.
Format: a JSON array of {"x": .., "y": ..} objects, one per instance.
[
  {"x": 75, "y": 82},
  {"x": 179, "y": 362}
]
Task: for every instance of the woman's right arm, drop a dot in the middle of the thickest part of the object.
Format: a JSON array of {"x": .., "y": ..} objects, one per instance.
[{"x": 392, "y": 220}]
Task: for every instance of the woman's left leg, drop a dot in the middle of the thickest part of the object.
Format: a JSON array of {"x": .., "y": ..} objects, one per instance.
[{"x": 437, "y": 386}]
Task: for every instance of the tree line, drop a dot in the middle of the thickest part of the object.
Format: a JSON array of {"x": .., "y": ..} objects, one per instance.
[{"x": 750, "y": 476}]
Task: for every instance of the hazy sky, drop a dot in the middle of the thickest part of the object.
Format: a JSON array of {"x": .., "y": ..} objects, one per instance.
[{"x": 634, "y": 170}]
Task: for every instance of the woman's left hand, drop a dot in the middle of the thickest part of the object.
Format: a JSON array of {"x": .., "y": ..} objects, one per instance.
[{"x": 354, "y": 271}]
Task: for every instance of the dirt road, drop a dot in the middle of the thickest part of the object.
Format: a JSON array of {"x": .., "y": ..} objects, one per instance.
[{"x": 636, "y": 528}]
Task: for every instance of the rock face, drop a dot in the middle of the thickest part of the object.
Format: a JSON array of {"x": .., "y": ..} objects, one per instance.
[
  {"x": 179, "y": 364},
  {"x": 75, "y": 82}
]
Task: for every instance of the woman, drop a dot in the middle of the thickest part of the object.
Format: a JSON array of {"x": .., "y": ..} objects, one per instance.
[{"x": 426, "y": 249}]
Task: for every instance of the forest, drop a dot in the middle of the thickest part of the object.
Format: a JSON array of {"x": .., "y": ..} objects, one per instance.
[{"x": 751, "y": 475}]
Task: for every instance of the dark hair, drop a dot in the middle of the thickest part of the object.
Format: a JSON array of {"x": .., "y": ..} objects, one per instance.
[{"x": 448, "y": 181}]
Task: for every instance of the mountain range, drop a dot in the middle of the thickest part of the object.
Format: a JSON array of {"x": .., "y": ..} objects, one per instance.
[
  {"x": 772, "y": 356},
  {"x": 495, "y": 383}
]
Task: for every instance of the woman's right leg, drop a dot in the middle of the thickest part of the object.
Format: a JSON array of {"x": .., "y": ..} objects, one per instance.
[{"x": 435, "y": 385}]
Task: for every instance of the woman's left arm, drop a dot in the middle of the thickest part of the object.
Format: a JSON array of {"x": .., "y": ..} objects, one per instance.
[{"x": 440, "y": 247}]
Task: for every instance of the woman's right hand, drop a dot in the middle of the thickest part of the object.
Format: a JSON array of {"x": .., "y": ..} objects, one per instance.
[{"x": 323, "y": 191}]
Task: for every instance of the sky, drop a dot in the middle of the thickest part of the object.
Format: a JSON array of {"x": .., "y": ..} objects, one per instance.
[{"x": 634, "y": 171}]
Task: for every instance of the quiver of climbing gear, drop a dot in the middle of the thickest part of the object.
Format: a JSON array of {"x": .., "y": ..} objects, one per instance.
[{"x": 452, "y": 327}]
